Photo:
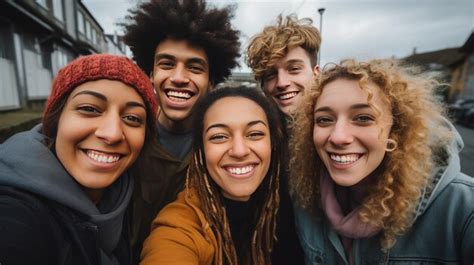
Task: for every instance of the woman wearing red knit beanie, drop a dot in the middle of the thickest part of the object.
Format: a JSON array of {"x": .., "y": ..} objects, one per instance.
[{"x": 65, "y": 185}]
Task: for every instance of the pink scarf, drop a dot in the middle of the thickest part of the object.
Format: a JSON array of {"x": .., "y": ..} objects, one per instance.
[{"x": 347, "y": 226}]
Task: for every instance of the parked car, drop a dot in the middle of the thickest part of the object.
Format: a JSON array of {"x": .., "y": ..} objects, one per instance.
[
  {"x": 458, "y": 109},
  {"x": 468, "y": 118}
]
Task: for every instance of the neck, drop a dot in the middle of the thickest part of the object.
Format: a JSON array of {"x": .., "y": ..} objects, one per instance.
[
  {"x": 94, "y": 194},
  {"x": 175, "y": 126}
]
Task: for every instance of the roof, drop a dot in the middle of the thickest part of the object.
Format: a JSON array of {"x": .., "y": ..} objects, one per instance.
[
  {"x": 446, "y": 57},
  {"x": 468, "y": 46}
]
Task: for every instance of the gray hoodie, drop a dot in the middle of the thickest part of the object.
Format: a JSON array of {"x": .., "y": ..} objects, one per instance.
[
  {"x": 28, "y": 164},
  {"x": 442, "y": 230}
]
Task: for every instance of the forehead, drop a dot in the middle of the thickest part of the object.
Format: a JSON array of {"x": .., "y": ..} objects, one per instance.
[
  {"x": 294, "y": 54},
  {"x": 110, "y": 89},
  {"x": 348, "y": 92},
  {"x": 181, "y": 49},
  {"x": 234, "y": 110}
]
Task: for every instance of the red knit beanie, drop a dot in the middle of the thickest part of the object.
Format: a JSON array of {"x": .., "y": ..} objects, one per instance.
[{"x": 101, "y": 66}]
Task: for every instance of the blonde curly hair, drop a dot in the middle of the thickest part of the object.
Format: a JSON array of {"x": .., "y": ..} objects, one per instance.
[
  {"x": 273, "y": 43},
  {"x": 391, "y": 202}
]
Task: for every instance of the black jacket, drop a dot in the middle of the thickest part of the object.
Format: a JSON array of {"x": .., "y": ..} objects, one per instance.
[{"x": 46, "y": 217}]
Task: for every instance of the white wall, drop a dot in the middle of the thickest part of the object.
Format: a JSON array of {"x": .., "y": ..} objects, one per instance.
[{"x": 8, "y": 87}]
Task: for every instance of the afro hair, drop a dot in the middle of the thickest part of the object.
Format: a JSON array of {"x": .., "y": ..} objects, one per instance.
[{"x": 154, "y": 21}]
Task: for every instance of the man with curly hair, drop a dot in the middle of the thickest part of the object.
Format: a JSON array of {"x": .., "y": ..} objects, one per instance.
[
  {"x": 283, "y": 58},
  {"x": 187, "y": 47}
]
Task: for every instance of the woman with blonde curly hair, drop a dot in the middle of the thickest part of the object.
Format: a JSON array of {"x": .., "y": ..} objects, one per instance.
[{"x": 381, "y": 182}]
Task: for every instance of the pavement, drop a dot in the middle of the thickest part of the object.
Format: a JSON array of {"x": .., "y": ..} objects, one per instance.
[{"x": 16, "y": 121}]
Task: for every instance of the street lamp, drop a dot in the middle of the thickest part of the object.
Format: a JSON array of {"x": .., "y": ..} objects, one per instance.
[{"x": 321, "y": 12}]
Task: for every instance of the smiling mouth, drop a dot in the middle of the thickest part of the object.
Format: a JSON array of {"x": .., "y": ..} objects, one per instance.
[
  {"x": 287, "y": 96},
  {"x": 344, "y": 159},
  {"x": 178, "y": 96},
  {"x": 240, "y": 170},
  {"x": 102, "y": 157}
]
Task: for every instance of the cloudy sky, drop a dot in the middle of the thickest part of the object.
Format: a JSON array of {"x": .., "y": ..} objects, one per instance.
[{"x": 360, "y": 29}]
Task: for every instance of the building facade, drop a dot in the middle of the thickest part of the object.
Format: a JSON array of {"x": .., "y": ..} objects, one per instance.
[{"x": 37, "y": 38}]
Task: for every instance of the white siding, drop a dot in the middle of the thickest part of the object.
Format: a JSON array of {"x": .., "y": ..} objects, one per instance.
[
  {"x": 38, "y": 79},
  {"x": 8, "y": 87}
]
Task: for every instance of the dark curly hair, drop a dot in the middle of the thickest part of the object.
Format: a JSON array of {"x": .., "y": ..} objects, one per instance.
[{"x": 154, "y": 21}]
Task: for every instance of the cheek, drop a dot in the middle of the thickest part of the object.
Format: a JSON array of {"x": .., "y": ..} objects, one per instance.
[{"x": 136, "y": 141}]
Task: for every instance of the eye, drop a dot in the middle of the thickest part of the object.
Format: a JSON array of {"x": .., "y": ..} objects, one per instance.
[
  {"x": 256, "y": 135},
  {"x": 88, "y": 109},
  {"x": 270, "y": 76},
  {"x": 133, "y": 120},
  {"x": 195, "y": 68},
  {"x": 364, "y": 118},
  {"x": 218, "y": 138},
  {"x": 165, "y": 64},
  {"x": 294, "y": 69},
  {"x": 323, "y": 120}
]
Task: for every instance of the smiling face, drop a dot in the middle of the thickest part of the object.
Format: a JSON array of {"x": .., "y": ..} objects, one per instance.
[
  {"x": 237, "y": 146},
  {"x": 181, "y": 78},
  {"x": 101, "y": 131},
  {"x": 349, "y": 136},
  {"x": 291, "y": 76}
]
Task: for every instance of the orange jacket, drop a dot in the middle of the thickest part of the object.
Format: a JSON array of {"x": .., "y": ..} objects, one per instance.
[{"x": 180, "y": 234}]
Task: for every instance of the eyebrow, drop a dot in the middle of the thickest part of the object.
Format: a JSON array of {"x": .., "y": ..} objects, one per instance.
[
  {"x": 221, "y": 125},
  {"x": 294, "y": 61},
  {"x": 104, "y": 98},
  {"x": 92, "y": 93},
  {"x": 355, "y": 106}
]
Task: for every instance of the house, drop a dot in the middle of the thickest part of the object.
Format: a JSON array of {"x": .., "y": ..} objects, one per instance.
[
  {"x": 37, "y": 38},
  {"x": 454, "y": 65}
]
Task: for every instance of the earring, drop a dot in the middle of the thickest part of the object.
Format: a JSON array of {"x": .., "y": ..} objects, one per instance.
[{"x": 391, "y": 145}]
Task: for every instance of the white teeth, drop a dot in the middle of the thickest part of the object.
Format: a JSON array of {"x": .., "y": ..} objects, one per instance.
[
  {"x": 102, "y": 157},
  {"x": 179, "y": 96},
  {"x": 344, "y": 159},
  {"x": 240, "y": 171},
  {"x": 287, "y": 95}
]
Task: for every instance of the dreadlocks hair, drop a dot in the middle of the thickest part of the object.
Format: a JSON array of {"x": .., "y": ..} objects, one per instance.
[
  {"x": 273, "y": 43},
  {"x": 154, "y": 21},
  {"x": 257, "y": 250}
]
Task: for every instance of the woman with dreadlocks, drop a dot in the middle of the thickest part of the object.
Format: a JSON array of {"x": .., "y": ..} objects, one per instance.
[{"x": 227, "y": 212}]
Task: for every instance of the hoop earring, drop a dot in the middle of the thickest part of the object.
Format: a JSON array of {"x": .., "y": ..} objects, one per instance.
[{"x": 391, "y": 145}]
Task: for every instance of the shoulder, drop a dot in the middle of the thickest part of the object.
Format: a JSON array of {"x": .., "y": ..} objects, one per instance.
[
  {"x": 25, "y": 226},
  {"x": 180, "y": 234}
]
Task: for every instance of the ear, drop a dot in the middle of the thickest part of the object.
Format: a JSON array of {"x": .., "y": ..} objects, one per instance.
[
  {"x": 151, "y": 76},
  {"x": 316, "y": 70},
  {"x": 210, "y": 86}
]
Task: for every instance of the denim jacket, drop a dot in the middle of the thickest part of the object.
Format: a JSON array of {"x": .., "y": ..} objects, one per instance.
[{"x": 442, "y": 232}]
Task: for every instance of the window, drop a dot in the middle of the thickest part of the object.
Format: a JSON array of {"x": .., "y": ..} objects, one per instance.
[
  {"x": 58, "y": 9},
  {"x": 42, "y": 3},
  {"x": 80, "y": 22},
  {"x": 88, "y": 29},
  {"x": 94, "y": 36}
]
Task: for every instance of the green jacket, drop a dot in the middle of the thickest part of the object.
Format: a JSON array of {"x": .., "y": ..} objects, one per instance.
[
  {"x": 155, "y": 187},
  {"x": 442, "y": 233}
]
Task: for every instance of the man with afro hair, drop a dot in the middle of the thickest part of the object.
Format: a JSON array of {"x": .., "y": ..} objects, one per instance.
[{"x": 186, "y": 47}]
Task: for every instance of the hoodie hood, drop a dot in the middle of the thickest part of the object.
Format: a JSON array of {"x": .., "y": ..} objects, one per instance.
[
  {"x": 28, "y": 164},
  {"x": 447, "y": 167}
]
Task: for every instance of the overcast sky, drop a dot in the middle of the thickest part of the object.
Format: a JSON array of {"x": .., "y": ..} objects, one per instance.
[{"x": 360, "y": 29}]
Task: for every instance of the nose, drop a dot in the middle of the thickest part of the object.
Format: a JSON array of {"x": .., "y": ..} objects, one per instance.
[
  {"x": 179, "y": 76},
  {"x": 110, "y": 129},
  {"x": 239, "y": 148},
  {"x": 282, "y": 80},
  {"x": 341, "y": 134}
]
